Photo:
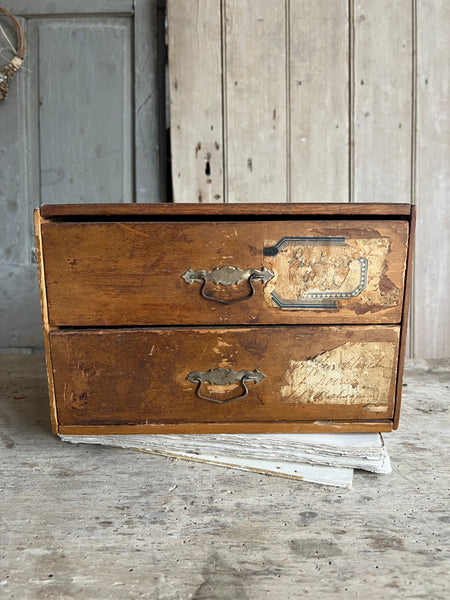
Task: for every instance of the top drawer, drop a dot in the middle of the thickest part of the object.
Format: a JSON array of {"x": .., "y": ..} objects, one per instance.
[{"x": 157, "y": 272}]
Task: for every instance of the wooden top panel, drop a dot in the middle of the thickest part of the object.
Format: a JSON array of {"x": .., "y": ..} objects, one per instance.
[{"x": 269, "y": 209}]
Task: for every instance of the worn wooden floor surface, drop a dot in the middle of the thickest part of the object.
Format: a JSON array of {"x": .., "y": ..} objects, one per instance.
[{"x": 96, "y": 522}]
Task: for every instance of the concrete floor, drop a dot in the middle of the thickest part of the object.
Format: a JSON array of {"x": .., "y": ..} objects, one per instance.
[{"x": 97, "y": 523}]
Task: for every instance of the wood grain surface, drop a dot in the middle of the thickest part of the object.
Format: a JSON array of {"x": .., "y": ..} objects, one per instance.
[
  {"x": 49, "y": 211},
  {"x": 431, "y": 314},
  {"x": 314, "y": 99},
  {"x": 376, "y": 426},
  {"x": 318, "y": 67},
  {"x": 116, "y": 274},
  {"x": 140, "y": 376},
  {"x": 381, "y": 109},
  {"x": 404, "y": 334},
  {"x": 255, "y": 102},
  {"x": 45, "y": 320},
  {"x": 194, "y": 39}
]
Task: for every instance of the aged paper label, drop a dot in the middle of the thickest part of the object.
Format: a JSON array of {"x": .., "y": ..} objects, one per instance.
[
  {"x": 353, "y": 373},
  {"x": 315, "y": 272}
]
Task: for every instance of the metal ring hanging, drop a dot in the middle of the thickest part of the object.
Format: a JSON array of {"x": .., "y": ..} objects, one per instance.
[{"x": 7, "y": 72}]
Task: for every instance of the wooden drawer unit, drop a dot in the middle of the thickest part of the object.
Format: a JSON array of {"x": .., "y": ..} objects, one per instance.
[{"x": 224, "y": 318}]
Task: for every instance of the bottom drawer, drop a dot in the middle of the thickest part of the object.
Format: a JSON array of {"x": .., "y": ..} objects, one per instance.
[{"x": 249, "y": 379}]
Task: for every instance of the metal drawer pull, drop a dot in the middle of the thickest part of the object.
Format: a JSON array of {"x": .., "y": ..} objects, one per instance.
[
  {"x": 222, "y": 376},
  {"x": 227, "y": 276}
]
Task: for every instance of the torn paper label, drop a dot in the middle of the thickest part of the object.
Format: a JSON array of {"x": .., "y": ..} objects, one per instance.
[
  {"x": 324, "y": 273},
  {"x": 353, "y": 373}
]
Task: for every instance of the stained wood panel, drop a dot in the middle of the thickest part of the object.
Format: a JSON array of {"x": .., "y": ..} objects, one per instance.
[
  {"x": 381, "y": 104},
  {"x": 431, "y": 316},
  {"x": 318, "y": 100},
  {"x": 196, "y": 100},
  {"x": 134, "y": 273},
  {"x": 150, "y": 381},
  {"x": 197, "y": 211}
]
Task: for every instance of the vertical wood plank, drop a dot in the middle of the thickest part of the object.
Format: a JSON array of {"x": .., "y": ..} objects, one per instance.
[
  {"x": 319, "y": 79},
  {"x": 431, "y": 315},
  {"x": 85, "y": 110},
  {"x": 382, "y": 100},
  {"x": 255, "y": 59},
  {"x": 196, "y": 100},
  {"x": 146, "y": 103},
  {"x": 163, "y": 112},
  {"x": 33, "y": 134}
]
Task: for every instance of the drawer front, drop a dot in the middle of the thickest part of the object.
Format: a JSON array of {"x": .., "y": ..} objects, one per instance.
[
  {"x": 224, "y": 273},
  {"x": 236, "y": 375}
]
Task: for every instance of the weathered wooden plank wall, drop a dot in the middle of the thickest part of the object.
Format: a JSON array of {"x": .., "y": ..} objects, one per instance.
[
  {"x": 79, "y": 125},
  {"x": 382, "y": 101},
  {"x": 431, "y": 313},
  {"x": 318, "y": 42},
  {"x": 314, "y": 98},
  {"x": 324, "y": 100},
  {"x": 255, "y": 100},
  {"x": 196, "y": 55}
]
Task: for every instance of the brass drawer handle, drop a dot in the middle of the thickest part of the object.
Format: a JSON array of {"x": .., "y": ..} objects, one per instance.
[
  {"x": 222, "y": 376},
  {"x": 227, "y": 276}
]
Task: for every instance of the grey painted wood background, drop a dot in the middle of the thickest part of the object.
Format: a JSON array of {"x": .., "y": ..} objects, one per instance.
[
  {"x": 79, "y": 125},
  {"x": 270, "y": 100}
]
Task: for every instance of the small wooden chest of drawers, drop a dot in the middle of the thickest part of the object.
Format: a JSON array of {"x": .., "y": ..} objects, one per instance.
[{"x": 172, "y": 318}]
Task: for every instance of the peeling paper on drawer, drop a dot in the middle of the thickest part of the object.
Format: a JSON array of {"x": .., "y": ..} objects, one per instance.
[
  {"x": 353, "y": 373},
  {"x": 329, "y": 272}
]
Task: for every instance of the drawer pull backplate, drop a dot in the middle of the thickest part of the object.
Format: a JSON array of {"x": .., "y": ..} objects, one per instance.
[
  {"x": 221, "y": 377},
  {"x": 227, "y": 276}
]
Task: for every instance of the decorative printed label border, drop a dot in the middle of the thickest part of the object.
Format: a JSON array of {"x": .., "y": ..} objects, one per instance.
[{"x": 316, "y": 299}]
